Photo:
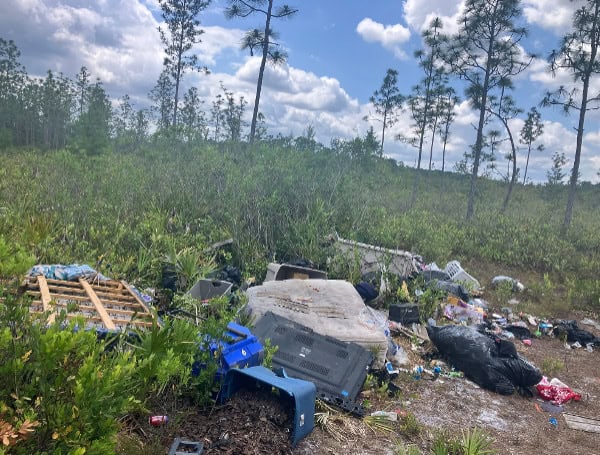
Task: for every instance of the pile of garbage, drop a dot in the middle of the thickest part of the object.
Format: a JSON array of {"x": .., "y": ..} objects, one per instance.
[{"x": 331, "y": 333}]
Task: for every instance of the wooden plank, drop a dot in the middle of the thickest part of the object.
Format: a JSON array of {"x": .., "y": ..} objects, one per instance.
[
  {"x": 98, "y": 304},
  {"x": 137, "y": 299},
  {"x": 107, "y": 284},
  {"x": 85, "y": 298},
  {"x": 576, "y": 422},
  {"x": 46, "y": 299}
]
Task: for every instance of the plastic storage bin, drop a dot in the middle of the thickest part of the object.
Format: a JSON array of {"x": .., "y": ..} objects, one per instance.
[
  {"x": 457, "y": 274},
  {"x": 279, "y": 272},
  {"x": 209, "y": 289},
  {"x": 299, "y": 393}
]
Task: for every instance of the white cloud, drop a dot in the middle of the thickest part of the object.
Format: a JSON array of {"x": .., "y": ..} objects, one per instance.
[
  {"x": 390, "y": 37},
  {"x": 556, "y": 16},
  {"x": 117, "y": 40},
  {"x": 419, "y": 13}
]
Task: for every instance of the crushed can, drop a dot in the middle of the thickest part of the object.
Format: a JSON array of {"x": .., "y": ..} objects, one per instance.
[{"x": 157, "y": 421}]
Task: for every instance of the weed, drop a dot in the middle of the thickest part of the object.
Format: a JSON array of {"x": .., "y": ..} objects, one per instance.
[
  {"x": 551, "y": 366},
  {"x": 476, "y": 442},
  {"x": 446, "y": 443},
  {"x": 410, "y": 426},
  {"x": 270, "y": 351}
]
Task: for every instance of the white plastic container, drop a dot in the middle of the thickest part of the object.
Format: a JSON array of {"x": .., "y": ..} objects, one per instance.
[{"x": 457, "y": 274}]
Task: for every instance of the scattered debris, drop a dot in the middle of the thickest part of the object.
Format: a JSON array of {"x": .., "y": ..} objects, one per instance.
[
  {"x": 552, "y": 408},
  {"x": 238, "y": 348}
]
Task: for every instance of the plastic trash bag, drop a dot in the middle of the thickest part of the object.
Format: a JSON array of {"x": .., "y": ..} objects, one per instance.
[
  {"x": 556, "y": 391},
  {"x": 491, "y": 364}
]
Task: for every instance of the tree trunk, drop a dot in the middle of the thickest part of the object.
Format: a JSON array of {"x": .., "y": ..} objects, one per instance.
[
  {"x": 575, "y": 171},
  {"x": 383, "y": 133},
  {"x": 527, "y": 163},
  {"x": 432, "y": 141},
  {"x": 479, "y": 140},
  {"x": 513, "y": 178},
  {"x": 178, "y": 76},
  {"x": 261, "y": 72}
]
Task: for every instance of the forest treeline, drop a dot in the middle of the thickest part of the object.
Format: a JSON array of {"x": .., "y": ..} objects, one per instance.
[{"x": 483, "y": 57}]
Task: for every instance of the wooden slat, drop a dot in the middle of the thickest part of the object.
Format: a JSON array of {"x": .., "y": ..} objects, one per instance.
[
  {"x": 98, "y": 304},
  {"x": 137, "y": 299},
  {"x": 46, "y": 299},
  {"x": 85, "y": 298},
  {"x": 116, "y": 285},
  {"x": 582, "y": 423}
]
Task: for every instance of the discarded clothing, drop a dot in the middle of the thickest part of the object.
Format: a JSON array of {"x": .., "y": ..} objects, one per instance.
[
  {"x": 490, "y": 364},
  {"x": 71, "y": 272},
  {"x": 556, "y": 391}
]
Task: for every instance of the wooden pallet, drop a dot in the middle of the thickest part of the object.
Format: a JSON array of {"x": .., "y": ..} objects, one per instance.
[{"x": 111, "y": 305}]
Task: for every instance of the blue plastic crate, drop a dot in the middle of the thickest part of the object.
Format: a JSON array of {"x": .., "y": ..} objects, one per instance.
[{"x": 238, "y": 348}]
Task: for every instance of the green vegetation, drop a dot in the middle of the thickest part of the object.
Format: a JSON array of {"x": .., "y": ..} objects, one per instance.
[
  {"x": 167, "y": 203},
  {"x": 551, "y": 366},
  {"x": 64, "y": 391}
]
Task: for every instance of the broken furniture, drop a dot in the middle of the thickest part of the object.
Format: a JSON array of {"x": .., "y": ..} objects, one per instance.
[
  {"x": 278, "y": 272},
  {"x": 329, "y": 307},
  {"x": 337, "y": 369},
  {"x": 298, "y": 393},
  {"x": 108, "y": 304}
]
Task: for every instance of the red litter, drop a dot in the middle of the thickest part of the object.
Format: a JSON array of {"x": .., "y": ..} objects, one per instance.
[{"x": 157, "y": 421}]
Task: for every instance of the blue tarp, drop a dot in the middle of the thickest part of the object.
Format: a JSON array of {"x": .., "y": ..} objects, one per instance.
[{"x": 71, "y": 272}]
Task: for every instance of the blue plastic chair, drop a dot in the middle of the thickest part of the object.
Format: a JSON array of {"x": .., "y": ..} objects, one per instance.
[{"x": 302, "y": 393}]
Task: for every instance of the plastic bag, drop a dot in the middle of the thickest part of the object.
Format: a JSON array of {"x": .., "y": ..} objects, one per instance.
[
  {"x": 556, "y": 391},
  {"x": 493, "y": 365}
]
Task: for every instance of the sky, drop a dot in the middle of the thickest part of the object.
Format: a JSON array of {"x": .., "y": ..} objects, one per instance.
[{"x": 338, "y": 54}]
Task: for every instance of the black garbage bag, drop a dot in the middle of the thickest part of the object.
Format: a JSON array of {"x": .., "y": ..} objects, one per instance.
[
  {"x": 491, "y": 364},
  {"x": 574, "y": 333},
  {"x": 366, "y": 290}
]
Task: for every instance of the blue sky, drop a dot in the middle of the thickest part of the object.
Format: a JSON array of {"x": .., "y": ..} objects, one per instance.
[{"x": 339, "y": 51}]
